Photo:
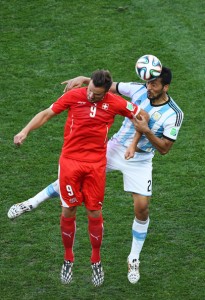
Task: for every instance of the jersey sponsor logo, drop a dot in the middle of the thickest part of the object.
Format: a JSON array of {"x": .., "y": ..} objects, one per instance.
[
  {"x": 173, "y": 132},
  {"x": 130, "y": 106},
  {"x": 81, "y": 102},
  {"x": 156, "y": 115},
  {"x": 73, "y": 200},
  {"x": 105, "y": 106}
]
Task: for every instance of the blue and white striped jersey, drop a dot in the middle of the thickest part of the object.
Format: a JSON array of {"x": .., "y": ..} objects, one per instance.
[{"x": 165, "y": 119}]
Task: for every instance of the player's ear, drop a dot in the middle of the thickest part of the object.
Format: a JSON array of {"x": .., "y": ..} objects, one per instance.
[{"x": 166, "y": 87}]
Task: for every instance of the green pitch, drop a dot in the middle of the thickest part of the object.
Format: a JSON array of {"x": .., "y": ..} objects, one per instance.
[{"x": 46, "y": 42}]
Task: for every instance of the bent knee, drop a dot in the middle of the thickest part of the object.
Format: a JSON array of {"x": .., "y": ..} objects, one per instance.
[{"x": 141, "y": 207}]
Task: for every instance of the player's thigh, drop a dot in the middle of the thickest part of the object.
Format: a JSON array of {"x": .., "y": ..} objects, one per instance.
[
  {"x": 115, "y": 156},
  {"x": 137, "y": 176},
  {"x": 70, "y": 180},
  {"x": 93, "y": 188},
  {"x": 141, "y": 205}
]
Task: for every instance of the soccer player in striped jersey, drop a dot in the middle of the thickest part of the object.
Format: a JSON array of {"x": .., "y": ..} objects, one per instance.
[{"x": 159, "y": 134}]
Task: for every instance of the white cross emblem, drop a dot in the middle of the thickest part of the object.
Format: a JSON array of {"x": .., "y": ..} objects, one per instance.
[{"x": 105, "y": 106}]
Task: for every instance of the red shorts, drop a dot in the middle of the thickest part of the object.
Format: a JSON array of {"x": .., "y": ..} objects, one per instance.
[{"x": 82, "y": 182}]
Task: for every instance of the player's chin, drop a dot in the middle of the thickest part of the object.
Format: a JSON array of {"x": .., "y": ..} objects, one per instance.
[
  {"x": 91, "y": 100},
  {"x": 150, "y": 97}
]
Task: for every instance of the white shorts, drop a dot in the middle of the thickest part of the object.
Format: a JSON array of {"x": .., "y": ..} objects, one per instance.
[{"x": 137, "y": 171}]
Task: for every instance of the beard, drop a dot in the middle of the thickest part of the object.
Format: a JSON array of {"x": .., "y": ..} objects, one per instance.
[{"x": 154, "y": 97}]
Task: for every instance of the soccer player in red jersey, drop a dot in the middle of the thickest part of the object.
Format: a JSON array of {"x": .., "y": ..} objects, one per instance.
[{"x": 82, "y": 163}]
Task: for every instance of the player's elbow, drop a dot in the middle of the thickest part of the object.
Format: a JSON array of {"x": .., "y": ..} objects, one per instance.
[
  {"x": 165, "y": 147},
  {"x": 163, "y": 151},
  {"x": 144, "y": 114}
]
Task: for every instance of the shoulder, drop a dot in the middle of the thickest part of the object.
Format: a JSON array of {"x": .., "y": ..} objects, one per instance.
[
  {"x": 112, "y": 97},
  {"x": 176, "y": 111},
  {"x": 175, "y": 107},
  {"x": 78, "y": 91},
  {"x": 73, "y": 94}
]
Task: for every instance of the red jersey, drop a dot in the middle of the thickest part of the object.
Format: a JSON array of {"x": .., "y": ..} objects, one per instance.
[{"x": 87, "y": 125}]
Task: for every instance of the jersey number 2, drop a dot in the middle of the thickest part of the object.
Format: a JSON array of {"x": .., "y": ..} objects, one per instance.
[{"x": 149, "y": 185}]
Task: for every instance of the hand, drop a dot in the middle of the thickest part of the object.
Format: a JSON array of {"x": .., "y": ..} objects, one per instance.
[
  {"x": 19, "y": 138},
  {"x": 73, "y": 83},
  {"x": 141, "y": 125},
  {"x": 130, "y": 152}
]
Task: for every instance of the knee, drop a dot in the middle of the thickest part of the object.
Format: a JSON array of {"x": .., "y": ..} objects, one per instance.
[
  {"x": 141, "y": 209},
  {"x": 142, "y": 213},
  {"x": 69, "y": 212},
  {"x": 94, "y": 213}
]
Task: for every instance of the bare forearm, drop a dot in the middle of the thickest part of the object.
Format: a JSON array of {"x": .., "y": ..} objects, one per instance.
[
  {"x": 86, "y": 80},
  {"x": 131, "y": 149},
  {"x": 136, "y": 139},
  {"x": 35, "y": 123},
  {"x": 161, "y": 145},
  {"x": 113, "y": 87}
]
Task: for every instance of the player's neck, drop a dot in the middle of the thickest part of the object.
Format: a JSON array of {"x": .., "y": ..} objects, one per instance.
[{"x": 163, "y": 99}]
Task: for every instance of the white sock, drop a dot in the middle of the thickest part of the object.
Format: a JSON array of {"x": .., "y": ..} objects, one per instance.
[
  {"x": 139, "y": 232},
  {"x": 51, "y": 191}
]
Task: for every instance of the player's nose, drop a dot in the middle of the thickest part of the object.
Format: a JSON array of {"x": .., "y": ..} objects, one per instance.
[
  {"x": 91, "y": 95},
  {"x": 148, "y": 86}
]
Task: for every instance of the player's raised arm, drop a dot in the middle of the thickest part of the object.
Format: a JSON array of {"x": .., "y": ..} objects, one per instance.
[
  {"x": 113, "y": 87},
  {"x": 75, "y": 82},
  {"x": 163, "y": 145},
  {"x": 131, "y": 149},
  {"x": 144, "y": 114},
  {"x": 39, "y": 119}
]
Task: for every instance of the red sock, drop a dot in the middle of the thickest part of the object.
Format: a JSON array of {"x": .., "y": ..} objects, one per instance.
[
  {"x": 68, "y": 228},
  {"x": 95, "y": 229}
]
